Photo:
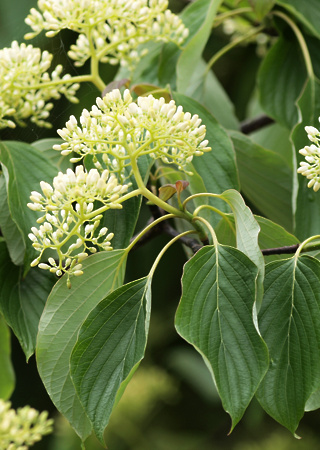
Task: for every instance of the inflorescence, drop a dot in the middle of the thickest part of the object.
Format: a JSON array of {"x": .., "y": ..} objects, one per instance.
[
  {"x": 70, "y": 224},
  {"x": 120, "y": 130},
  {"x": 22, "y": 428},
  {"x": 310, "y": 168},
  {"x": 26, "y": 86},
  {"x": 112, "y": 29}
]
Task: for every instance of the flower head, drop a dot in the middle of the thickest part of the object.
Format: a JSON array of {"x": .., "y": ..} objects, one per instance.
[
  {"x": 310, "y": 168},
  {"x": 115, "y": 28},
  {"x": 24, "y": 85},
  {"x": 70, "y": 224},
  {"x": 119, "y": 129},
  {"x": 22, "y": 428}
]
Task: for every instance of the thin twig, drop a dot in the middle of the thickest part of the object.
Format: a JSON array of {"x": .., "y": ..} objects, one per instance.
[
  {"x": 250, "y": 125},
  {"x": 280, "y": 250}
]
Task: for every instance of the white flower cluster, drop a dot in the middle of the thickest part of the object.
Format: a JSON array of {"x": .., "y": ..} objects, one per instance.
[
  {"x": 115, "y": 28},
  {"x": 310, "y": 168},
  {"x": 69, "y": 222},
  {"x": 22, "y": 428},
  {"x": 24, "y": 89},
  {"x": 120, "y": 129}
]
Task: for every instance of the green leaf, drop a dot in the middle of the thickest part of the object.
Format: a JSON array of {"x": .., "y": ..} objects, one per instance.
[
  {"x": 271, "y": 235},
  {"x": 192, "y": 51},
  {"x": 289, "y": 321},
  {"x": 215, "y": 316},
  {"x": 307, "y": 212},
  {"x": 22, "y": 299},
  {"x": 45, "y": 147},
  {"x": 313, "y": 402},
  {"x": 262, "y": 7},
  {"x": 9, "y": 229},
  {"x": 24, "y": 167},
  {"x": 307, "y": 13},
  {"x": 214, "y": 171},
  {"x": 280, "y": 80},
  {"x": 247, "y": 231},
  {"x": 60, "y": 322},
  {"x": 265, "y": 178},
  {"x": 110, "y": 345},
  {"x": 7, "y": 377}
]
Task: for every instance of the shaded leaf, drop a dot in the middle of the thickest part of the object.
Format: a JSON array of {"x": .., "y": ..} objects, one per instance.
[
  {"x": 7, "y": 377},
  {"x": 281, "y": 78},
  {"x": 9, "y": 229},
  {"x": 60, "y": 322},
  {"x": 307, "y": 211},
  {"x": 22, "y": 299},
  {"x": 307, "y": 13},
  {"x": 289, "y": 322},
  {"x": 110, "y": 345},
  {"x": 265, "y": 178},
  {"x": 215, "y": 316}
]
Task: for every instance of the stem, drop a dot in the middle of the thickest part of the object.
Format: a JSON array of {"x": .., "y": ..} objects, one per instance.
[
  {"x": 251, "y": 125},
  {"x": 94, "y": 64},
  {"x": 212, "y": 232},
  {"x": 216, "y": 210},
  {"x": 165, "y": 248},
  {"x": 148, "y": 227},
  {"x": 304, "y": 245},
  {"x": 221, "y": 17},
  {"x": 231, "y": 45},
  {"x": 77, "y": 79},
  {"x": 300, "y": 38}
]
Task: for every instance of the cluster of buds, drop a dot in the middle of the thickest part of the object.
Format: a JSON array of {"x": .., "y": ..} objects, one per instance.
[
  {"x": 120, "y": 130},
  {"x": 115, "y": 29},
  {"x": 22, "y": 428},
  {"x": 310, "y": 168},
  {"x": 69, "y": 223},
  {"x": 26, "y": 87}
]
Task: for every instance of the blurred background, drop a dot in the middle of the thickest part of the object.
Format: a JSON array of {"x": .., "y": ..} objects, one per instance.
[{"x": 171, "y": 403}]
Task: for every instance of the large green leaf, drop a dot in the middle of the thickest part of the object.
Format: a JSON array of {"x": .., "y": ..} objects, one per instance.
[
  {"x": 9, "y": 229},
  {"x": 307, "y": 13},
  {"x": 110, "y": 345},
  {"x": 24, "y": 167},
  {"x": 216, "y": 170},
  {"x": 215, "y": 316},
  {"x": 60, "y": 322},
  {"x": 265, "y": 178},
  {"x": 7, "y": 377},
  {"x": 307, "y": 211},
  {"x": 192, "y": 52},
  {"x": 22, "y": 299},
  {"x": 280, "y": 80},
  {"x": 289, "y": 321}
]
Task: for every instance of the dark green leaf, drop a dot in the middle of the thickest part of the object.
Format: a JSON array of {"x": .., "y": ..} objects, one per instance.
[
  {"x": 24, "y": 167},
  {"x": 289, "y": 322},
  {"x": 110, "y": 345},
  {"x": 281, "y": 78},
  {"x": 60, "y": 322},
  {"x": 307, "y": 213},
  {"x": 215, "y": 316},
  {"x": 22, "y": 299},
  {"x": 9, "y": 229},
  {"x": 265, "y": 178},
  {"x": 307, "y": 13},
  {"x": 7, "y": 377},
  {"x": 192, "y": 51}
]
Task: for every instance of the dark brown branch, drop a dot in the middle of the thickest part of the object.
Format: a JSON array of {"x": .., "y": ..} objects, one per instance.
[
  {"x": 280, "y": 250},
  {"x": 250, "y": 125}
]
